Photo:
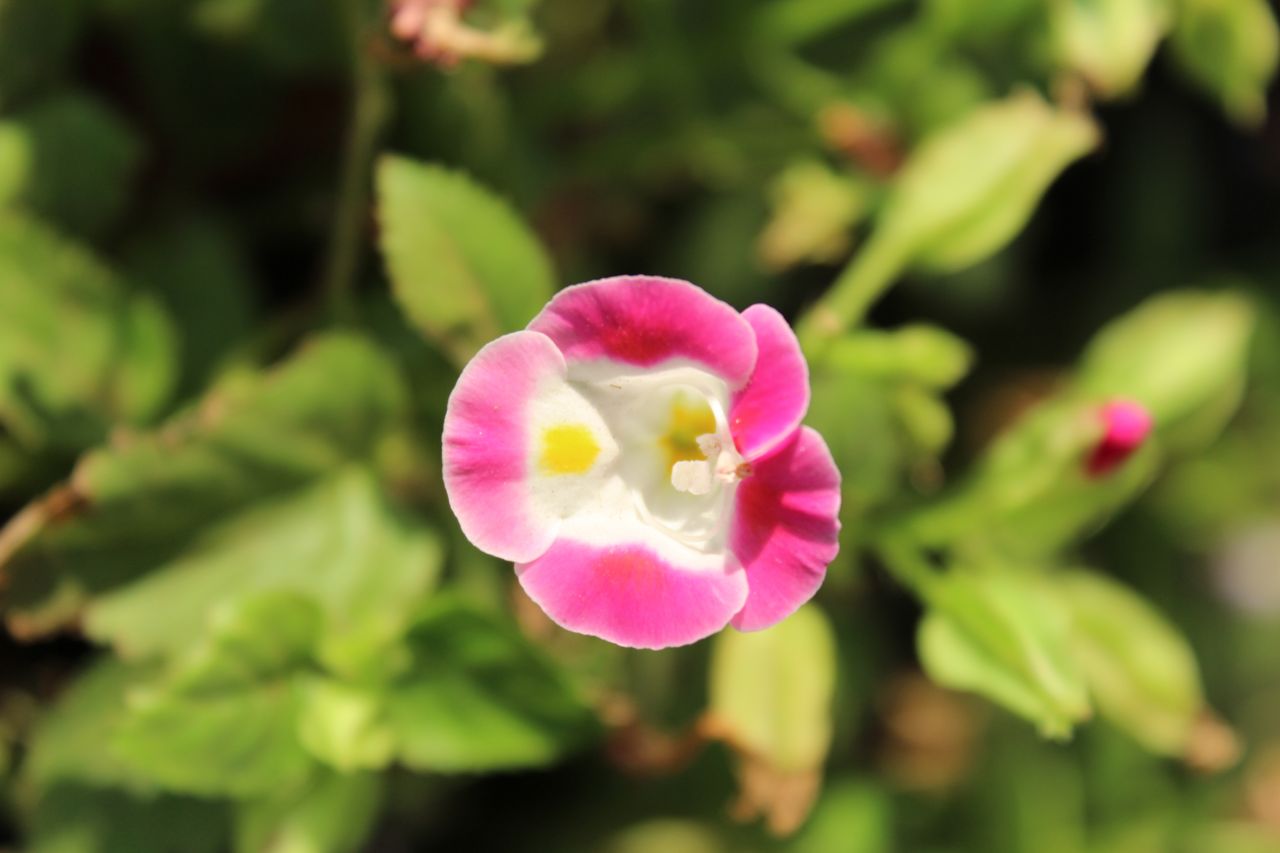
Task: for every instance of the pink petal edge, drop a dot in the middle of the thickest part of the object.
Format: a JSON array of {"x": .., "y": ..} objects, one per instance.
[
  {"x": 646, "y": 320},
  {"x": 785, "y": 529},
  {"x": 486, "y": 444},
  {"x": 630, "y": 595},
  {"x": 767, "y": 411}
]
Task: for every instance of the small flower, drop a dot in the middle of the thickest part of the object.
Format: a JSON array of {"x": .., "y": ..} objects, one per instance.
[
  {"x": 438, "y": 33},
  {"x": 637, "y": 453},
  {"x": 1125, "y": 427}
]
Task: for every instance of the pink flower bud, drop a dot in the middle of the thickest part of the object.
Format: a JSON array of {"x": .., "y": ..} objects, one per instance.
[{"x": 1125, "y": 426}]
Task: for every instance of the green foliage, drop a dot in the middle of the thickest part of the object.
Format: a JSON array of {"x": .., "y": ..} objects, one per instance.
[
  {"x": 1003, "y": 634},
  {"x": 240, "y": 615},
  {"x": 1230, "y": 48},
  {"x": 69, "y": 159},
  {"x": 463, "y": 267},
  {"x": 971, "y": 187}
]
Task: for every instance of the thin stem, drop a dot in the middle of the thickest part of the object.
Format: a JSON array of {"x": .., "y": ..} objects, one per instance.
[
  {"x": 907, "y": 565},
  {"x": 868, "y": 275},
  {"x": 370, "y": 108}
]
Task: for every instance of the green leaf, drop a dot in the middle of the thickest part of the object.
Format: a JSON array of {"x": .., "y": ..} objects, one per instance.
[
  {"x": 340, "y": 543},
  {"x": 814, "y": 211},
  {"x": 462, "y": 265},
  {"x": 70, "y": 743},
  {"x": 478, "y": 697},
  {"x": 35, "y": 39},
  {"x": 1230, "y": 48},
  {"x": 334, "y": 814},
  {"x": 924, "y": 354},
  {"x": 971, "y": 186},
  {"x": 140, "y": 504},
  {"x": 1109, "y": 43},
  {"x": 344, "y": 724},
  {"x": 1140, "y": 671},
  {"x": 78, "y": 351},
  {"x": 853, "y": 814},
  {"x": 224, "y": 724},
  {"x": 77, "y": 819},
  {"x": 70, "y": 160},
  {"x": 1004, "y": 636},
  {"x": 765, "y": 703},
  {"x": 194, "y": 268},
  {"x": 1182, "y": 354}
]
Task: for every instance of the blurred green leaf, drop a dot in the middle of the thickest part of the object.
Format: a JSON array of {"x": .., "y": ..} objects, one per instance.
[
  {"x": 78, "y": 352},
  {"x": 928, "y": 355},
  {"x": 1230, "y": 48},
  {"x": 1181, "y": 354},
  {"x": 75, "y": 819},
  {"x": 853, "y": 814},
  {"x": 332, "y": 815},
  {"x": 463, "y": 266},
  {"x": 224, "y": 724},
  {"x": 35, "y": 38},
  {"x": 971, "y": 186},
  {"x": 813, "y": 214},
  {"x": 343, "y": 725},
  {"x": 340, "y": 543},
  {"x": 70, "y": 160},
  {"x": 141, "y": 503},
  {"x": 1109, "y": 43},
  {"x": 1140, "y": 671},
  {"x": 477, "y": 696},
  {"x": 765, "y": 703},
  {"x": 71, "y": 742},
  {"x": 194, "y": 267},
  {"x": 1003, "y": 635}
]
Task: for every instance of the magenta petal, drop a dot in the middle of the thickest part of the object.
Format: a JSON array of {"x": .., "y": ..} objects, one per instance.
[
  {"x": 647, "y": 320},
  {"x": 630, "y": 594},
  {"x": 785, "y": 528},
  {"x": 765, "y": 413},
  {"x": 486, "y": 445}
]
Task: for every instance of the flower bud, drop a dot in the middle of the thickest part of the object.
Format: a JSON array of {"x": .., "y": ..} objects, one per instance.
[{"x": 1126, "y": 425}]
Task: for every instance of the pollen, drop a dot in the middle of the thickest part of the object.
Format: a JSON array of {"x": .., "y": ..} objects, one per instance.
[
  {"x": 690, "y": 418},
  {"x": 568, "y": 449}
]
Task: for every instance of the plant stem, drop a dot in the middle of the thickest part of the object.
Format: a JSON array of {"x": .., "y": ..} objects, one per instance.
[
  {"x": 907, "y": 565},
  {"x": 369, "y": 111},
  {"x": 863, "y": 280}
]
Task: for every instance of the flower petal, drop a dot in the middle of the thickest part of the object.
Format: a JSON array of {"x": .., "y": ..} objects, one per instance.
[
  {"x": 768, "y": 410},
  {"x": 784, "y": 529},
  {"x": 646, "y": 320},
  {"x": 487, "y": 444},
  {"x": 632, "y": 588}
]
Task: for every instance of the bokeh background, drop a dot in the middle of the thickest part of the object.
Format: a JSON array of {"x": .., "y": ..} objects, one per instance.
[{"x": 246, "y": 245}]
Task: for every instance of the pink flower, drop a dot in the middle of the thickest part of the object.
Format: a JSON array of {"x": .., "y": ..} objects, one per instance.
[
  {"x": 637, "y": 453},
  {"x": 1125, "y": 427}
]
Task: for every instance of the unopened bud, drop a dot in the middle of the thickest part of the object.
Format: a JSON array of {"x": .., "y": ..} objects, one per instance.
[{"x": 1126, "y": 425}]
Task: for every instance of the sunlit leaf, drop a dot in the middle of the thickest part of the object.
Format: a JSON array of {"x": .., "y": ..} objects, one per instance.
[
  {"x": 141, "y": 503},
  {"x": 1108, "y": 42},
  {"x": 462, "y": 264},
  {"x": 1003, "y": 635},
  {"x": 776, "y": 714},
  {"x": 1140, "y": 671},
  {"x": 224, "y": 724},
  {"x": 1231, "y": 49},
  {"x": 971, "y": 186}
]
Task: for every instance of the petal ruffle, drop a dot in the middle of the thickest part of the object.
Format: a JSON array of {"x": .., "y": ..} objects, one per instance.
[
  {"x": 785, "y": 528},
  {"x": 487, "y": 445},
  {"x": 765, "y": 413},
  {"x": 647, "y": 320},
  {"x": 635, "y": 590}
]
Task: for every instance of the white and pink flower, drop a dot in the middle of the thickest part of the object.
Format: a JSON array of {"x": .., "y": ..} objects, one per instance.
[{"x": 638, "y": 453}]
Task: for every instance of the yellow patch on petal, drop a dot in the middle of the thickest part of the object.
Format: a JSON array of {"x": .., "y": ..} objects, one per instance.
[
  {"x": 690, "y": 418},
  {"x": 568, "y": 449}
]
